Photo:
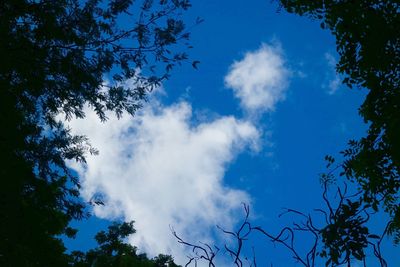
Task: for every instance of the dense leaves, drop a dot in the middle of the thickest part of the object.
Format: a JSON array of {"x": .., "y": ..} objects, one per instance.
[
  {"x": 58, "y": 57},
  {"x": 346, "y": 236},
  {"x": 32, "y": 209},
  {"x": 368, "y": 43},
  {"x": 112, "y": 251}
]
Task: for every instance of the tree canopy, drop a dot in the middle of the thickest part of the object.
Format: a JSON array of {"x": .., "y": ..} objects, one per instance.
[
  {"x": 368, "y": 41},
  {"x": 58, "y": 57},
  {"x": 113, "y": 251}
]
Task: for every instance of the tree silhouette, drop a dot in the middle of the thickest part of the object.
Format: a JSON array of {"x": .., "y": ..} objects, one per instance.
[
  {"x": 58, "y": 57},
  {"x": 337, "y": 235},
  {"x": 368, "y": 43},
  {"x": 113, "y": 251}
]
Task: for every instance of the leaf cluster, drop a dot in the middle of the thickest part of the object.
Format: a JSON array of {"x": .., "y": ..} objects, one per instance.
[
  {"x": 368, "y": 43},
  {"x": 59, "y": 57},
  {"x": 113, "y": 251}
]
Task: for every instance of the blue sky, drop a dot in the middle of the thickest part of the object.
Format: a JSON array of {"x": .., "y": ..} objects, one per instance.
[{"x": 252, "y": 124}]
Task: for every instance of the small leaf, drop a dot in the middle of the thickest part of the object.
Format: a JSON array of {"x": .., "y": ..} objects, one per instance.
[
  {"x": 199, "y": 20},
  {"x": 195, "y": 63}
]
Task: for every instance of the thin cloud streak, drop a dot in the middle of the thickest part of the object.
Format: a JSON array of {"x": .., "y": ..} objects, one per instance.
[{"x": 334, "y": 80}]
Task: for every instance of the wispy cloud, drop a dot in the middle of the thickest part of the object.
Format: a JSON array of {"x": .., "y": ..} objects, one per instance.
[
  {"x": 334, "y": 80},
  {"x": 160, "y": 170},
  {"x": 260, "y": 79}
]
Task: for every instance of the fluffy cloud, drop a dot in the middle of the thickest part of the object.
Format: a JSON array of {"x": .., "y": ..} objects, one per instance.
[
  {"x": 161, "y": 170},
  {"x": 260, "y": 79}
]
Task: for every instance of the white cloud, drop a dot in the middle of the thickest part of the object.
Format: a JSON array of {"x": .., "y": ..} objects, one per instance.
[
  {"x": 160, "y": 170},
  {"x": 334, "y": 80},
  {"x": 260, "y": 79}
]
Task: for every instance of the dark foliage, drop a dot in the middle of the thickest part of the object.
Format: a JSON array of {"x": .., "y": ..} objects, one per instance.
[
  {"x": 55, "y": 56},
  {"x": 368, "y": 43},
  {"x": 112, "y": 251},
  {"x": 335, "y": 236}
]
